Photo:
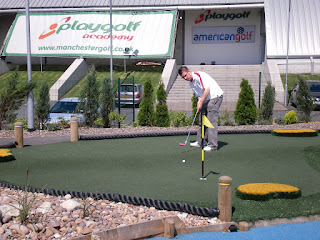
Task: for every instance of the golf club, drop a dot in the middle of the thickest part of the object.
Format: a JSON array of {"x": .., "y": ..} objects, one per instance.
[{"x": 183, "y": 144}]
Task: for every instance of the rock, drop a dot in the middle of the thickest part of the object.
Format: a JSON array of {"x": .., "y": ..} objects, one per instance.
[
  {"x": 1, "y": 231},
  {"x": 44, "y": 208},
  {"x": 0, "y": 214},
  {"x": 33, "y": 227},
  {"x": 40, "y": 226},
  {"x": 54, "y": 224},
  {"x": 57, "y": 235},
  {"x": 67, "y": 197},
  {"x": 6, "y": 218},
  {"x": 71, "y": 205},
  {"x": 22, "y": 230},
  {"x": 86, "y": 231},
  {"x": 49, "y": 233},
  {"x": 33, "y": 236},
  {"x": 82, "y": 224},
  {"x": 11, "y": 210}
]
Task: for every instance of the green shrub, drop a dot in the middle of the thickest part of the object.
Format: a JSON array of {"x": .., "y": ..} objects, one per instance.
[
  {"x": 178, "y": 119},
  {"x": 146, "y": 112},
  {"x": 53, "y": 126},
  {"x": 194, "y": 101},
  {"x": 116, "y": 117},
  {"x": 23, "y": 121},
  {"x": 246, "y": 110},
  {"x": 42, "y": 106},
  {"x": 162, "y": 118},
  {"x": 267, "y": 105},
  {"x": 107, "y": 99},
  {"x": 290, "y": 117},
  {"x": 279, "y": 121},
  {"x": 89, "y": 96},
  {"x": 226, "y": 118},
  {"x": 304, "y": 101},
  {"x": 98, "y": 123}
]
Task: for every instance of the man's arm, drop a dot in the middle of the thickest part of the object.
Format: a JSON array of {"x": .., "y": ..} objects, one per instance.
[{"x": 202, "y": 99}]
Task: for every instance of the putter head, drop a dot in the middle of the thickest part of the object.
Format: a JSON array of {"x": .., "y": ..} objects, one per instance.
[{"x": 182, "y": 144}]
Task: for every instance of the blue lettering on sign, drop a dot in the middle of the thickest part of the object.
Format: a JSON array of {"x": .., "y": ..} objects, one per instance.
[{"x": 226, "y": 35}]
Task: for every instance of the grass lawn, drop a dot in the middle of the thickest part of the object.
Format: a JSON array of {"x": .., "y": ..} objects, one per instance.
[
  {"x": 153, "y": 168},
  {"x": 52, "y": 73}
]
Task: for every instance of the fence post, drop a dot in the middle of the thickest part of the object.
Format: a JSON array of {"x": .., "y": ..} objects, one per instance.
[
  {"x": 225, "y": 202},
  {"x": 74, "y": 129},
  {"x": 18, "y": 134}
]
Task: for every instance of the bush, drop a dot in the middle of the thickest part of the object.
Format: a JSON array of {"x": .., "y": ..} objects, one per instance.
[
  {"x": 116, "y": 117},
  {"x": 290, "y": 117},
  {"x": 226, "y": 118},
  {"x": 267, "y": 105},
  {"x": 12, "y": 97},
  {"x": 178, "y": 119},
  {"x": 194, "y": 101},
  {"x": 162, "y": 118},
  {"x": 42, "y": 107},
  {"x": 146, "y": 112},
  {"x": 53, "y": 126},
  {"x": 89, "y": 96},
  {"x": 106, "y": 99},
  {"x": 279, "y": 121},
  {"x": 23, "y": 121},
  {"x": 304, "y": 100},
  {"x": 246, "y": 110}
]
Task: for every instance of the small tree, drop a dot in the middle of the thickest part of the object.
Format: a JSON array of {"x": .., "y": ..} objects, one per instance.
[
  {"x": 12, "y": 97},
  {"x": 304, "y": 100},
  {"x": 106, "y": 99},
  {"x": 89, "y": 96},
  {"x": 194, "y": 101},
  {"x": 146, "y": 113},
  {"x": 267, "y": 105},
  {"x": 42, "y": 108},
  {"x": 246, "y": 110},
  {"x": 162, "y": 118}
]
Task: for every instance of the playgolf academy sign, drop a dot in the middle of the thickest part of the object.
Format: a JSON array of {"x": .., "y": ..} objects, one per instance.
[{"x": 88, "y": 34}]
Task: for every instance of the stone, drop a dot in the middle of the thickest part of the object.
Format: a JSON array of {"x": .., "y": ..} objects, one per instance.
[
  {"x": 45, "y": 207},
  {"x": 49, "y": 233},
  {"x": 11, "y": 210},
  {"x": 54, "y": 224},
  {"x": 86, "y": 231},
  {"x": 22, "y": 230},
  {"x": 67, "y": 197},
  {"x": 71, "y": 205},
  {"x": 33, "y": 227},
  {"x": 6, "y": 218}
]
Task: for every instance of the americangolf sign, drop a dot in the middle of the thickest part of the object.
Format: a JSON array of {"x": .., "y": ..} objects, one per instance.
[{"x": 239, "y": 34}]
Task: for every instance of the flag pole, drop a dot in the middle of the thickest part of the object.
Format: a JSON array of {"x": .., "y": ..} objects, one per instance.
[{"x": 202, "y": 146}]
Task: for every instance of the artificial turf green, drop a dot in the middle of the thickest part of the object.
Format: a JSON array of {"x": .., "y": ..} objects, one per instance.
[{"x": 153, "y": 168}]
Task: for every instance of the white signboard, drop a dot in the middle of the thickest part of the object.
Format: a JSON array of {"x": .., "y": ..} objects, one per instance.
[
  {"x": 238, "y": 34},
  {"x": 87, "y": 34}
]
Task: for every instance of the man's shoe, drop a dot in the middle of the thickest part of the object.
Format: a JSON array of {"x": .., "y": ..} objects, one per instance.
[
  {"x": 209, "y": 149},
  {"x": 195, "y": 144}
]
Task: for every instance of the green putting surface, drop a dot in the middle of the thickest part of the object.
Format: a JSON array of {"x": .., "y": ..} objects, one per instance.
[{"x": 152, "y": 167}]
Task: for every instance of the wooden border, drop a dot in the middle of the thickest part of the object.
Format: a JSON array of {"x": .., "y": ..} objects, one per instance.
[{"x": 166, "y": 227}]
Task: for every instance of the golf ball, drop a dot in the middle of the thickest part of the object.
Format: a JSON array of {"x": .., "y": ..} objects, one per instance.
[{"x": 183, "y": 160}]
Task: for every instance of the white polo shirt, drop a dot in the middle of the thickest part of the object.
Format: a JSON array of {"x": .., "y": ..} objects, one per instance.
[{"x": 202, "y": 80}]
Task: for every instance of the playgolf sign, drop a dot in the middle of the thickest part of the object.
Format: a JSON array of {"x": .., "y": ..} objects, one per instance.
[{"x": 145, "y": 34}]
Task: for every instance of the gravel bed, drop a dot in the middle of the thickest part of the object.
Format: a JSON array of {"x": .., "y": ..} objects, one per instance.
[
  {"x": 101, "y": 131},
  {"x": 62, "y": 217}
]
